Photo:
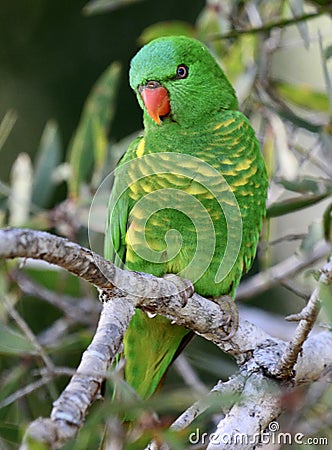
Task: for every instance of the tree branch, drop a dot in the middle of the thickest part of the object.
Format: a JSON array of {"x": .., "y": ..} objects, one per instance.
[
  {"x": 250, "y": 421},
  {"x": 86, "y": 313},
  {"x": 87, "y": 265},
  {"x": 229, "y": 389},
  {"x": 71, "y": 408},
  {"x": 289, "y": 267},
  {"x": 306, "y": 318},
  {"x": 256, "y": 353},
  {"x": 259, "y": 405},
  {"x": 270, "y": 25}
]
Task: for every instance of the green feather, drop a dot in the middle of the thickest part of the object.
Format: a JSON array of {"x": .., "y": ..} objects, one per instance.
[
  {"x": 147, "y": 359},
  {"x": 202, "y": 160}
]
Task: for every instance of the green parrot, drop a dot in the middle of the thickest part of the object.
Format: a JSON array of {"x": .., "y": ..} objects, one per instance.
[{"x": 188, "y": 196}]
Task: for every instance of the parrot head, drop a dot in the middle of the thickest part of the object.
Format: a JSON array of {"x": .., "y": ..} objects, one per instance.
[{"x": 177, "y": 79}]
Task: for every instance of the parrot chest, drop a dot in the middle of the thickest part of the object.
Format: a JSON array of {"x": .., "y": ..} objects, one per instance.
[{"x": 176, "y": 222}]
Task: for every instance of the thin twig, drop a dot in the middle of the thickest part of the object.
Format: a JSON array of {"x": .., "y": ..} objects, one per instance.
[
  {"x": 224, "y": 394},
  {"x": 20, "y": 393},
  {"x": 21, "y": 323},
  {"x": 293, "y": 287},
  {"x": 287, "y": 237},
  {"x": 263, "y": 281},
  {"x": 28, "y": 332},
  {"x": 82, "y": 310},
  {"x": 115, "y": 434},
  {"x": 56, "y": 332},
  {"x": 310, "y": 156},
  {"x": 270, "y": 25},
  {"x": 189, "y": 375},
  {"x": 306, "y": 318}
]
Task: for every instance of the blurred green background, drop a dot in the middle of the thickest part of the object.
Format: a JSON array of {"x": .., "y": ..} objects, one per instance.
[{"x": 52, "y": 53}]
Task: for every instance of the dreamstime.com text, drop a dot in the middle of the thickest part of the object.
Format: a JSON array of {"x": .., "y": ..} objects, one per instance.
[{"x": 271, "y": 436}]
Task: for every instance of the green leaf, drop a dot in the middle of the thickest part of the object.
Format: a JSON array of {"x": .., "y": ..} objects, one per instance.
[
  {"x": 326, "y": 72},
  {"x": 239, "y": 59},
  {"x": 303, "y": 95},
  {"x": 328, "y": 52},
  {"x": 167, "y": 28},
  {"x": 325, "y": 295},
  {"x": 302, "y": 185},
  {"x": 287, "y": 114},
  {"x": 87, "y": 145},
  {"x": 294, "y": 204},
  {"x": 101, "y": 6},
  {"x": 314, "y": 235},
  {"x": 10, "y": 381},
  {"x": 297, "y": 8},
  {"x": 327, "y": 223},
  {"x": 101, "y": 144},
  {"x": 10, "y": 433},
  {"x": 47, "y": 159},
  {"x": 6, "y": 126},
  {"x": 14, "y": 343}
]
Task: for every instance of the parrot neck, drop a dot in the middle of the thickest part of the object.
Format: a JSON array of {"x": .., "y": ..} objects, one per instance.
[{"x": 169, "y": 126}]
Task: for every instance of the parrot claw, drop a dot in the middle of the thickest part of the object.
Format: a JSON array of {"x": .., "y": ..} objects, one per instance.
[
  {"x": 229, "y": 308},
  {"x": 184, "y": 288}
]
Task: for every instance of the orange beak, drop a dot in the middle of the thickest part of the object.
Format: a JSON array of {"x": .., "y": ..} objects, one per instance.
[{"x": 156, "y": 100}]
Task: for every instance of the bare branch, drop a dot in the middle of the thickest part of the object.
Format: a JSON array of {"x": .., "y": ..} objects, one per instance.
[
  {"x": 291, "y": 266},
  {"x": 188, "y": 374},
  {"x": 259, "y": 405},
  {"x": 165, "y": 296},
  {"x": 82, "y": 310},
  {"x": 70, "y": 410},
  {"x": 307, "y": 317},
  {"x": 24, "y": 391},
  {"x": 28, "y": 332},
  {"x": 228, "y": 390},
  {"x": 254, "y": 417},
  {"x": 72, "y": 257},
  {"x": 269, "y": 26},
  {"x": 255, "y": 351},
  {"x": 86, "y": 264},
  {"x": 315, "y": 358}
]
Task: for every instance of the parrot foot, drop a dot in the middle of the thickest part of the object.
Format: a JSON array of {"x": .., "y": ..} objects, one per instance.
[
  {"x": 184, "y": 288},
  {"x": 229, "y": 308}
]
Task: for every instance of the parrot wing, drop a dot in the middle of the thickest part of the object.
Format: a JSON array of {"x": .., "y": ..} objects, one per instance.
[
  {"x": 149, "y": 344},
  {"x": 117, "y": 217}
]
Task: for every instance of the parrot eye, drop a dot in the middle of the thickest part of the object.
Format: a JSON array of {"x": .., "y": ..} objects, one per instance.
[{"x": 182, "y": 71}]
